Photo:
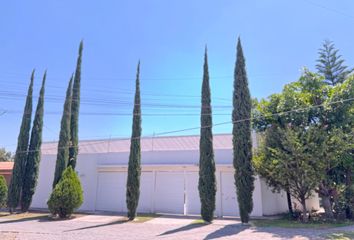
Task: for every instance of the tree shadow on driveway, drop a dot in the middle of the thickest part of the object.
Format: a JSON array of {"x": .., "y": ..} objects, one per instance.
[
  {"x": 100, "y": 225},
  {"x": 292, "y": 233},
  {"x": 25, "y": 219},
  {"x": 183, "y": 228},
  {"x": 228, "y": 230}
]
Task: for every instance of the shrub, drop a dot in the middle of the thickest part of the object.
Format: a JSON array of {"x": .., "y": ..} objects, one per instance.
[
  {"x": 3, "y": 191},
  {"x": 67, "y": 195}
]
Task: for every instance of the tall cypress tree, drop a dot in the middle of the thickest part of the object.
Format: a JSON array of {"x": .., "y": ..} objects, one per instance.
[
  {"x": 134, "y": 169},
  {"x": 75, "y": 106},
  {"x": 14, "y": 191},
  {"x": 207, "y": 185},
  {"x": 34, "y": 153},
  {"x": 64, "y": 137},
  {"x": 242, "y": 141}
]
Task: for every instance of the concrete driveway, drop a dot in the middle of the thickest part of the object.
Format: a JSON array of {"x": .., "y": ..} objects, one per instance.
[{"x": 114, "y": 227}]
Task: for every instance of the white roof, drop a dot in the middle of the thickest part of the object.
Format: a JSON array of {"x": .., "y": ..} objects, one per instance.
[{"x": 170, "y": 143}]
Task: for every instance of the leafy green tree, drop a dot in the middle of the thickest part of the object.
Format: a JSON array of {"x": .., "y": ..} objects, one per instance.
[
  {"x": 242, "y": 142},
  {"x": 311, "y": 102},
  {"x": 14, "y": 191},
  {"x": 5, "y": 156},
  {"x": 331, "y": 65},
  {"x": 297, "y": 158},
  {"x": 67, "y": 195},
  {"x": 75, "y": 105},
  {"x": 3, "y": 191},
  {"x": 207, "y": 182},
  {"x": 64, "y": 137},
  {"x": 134, "y": 168},
  {"x": 34, "y": 153}
]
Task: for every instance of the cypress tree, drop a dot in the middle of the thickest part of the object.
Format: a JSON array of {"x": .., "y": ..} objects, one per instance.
[
  {"x": 64, "y": 137},
  {"x": 134, "y": 169},
  {"x": 242, "y": 141},
  {"x": 34, "y": 153},
  {"x": 75, "y": 105},
  {"x": 14, "y": 191},
  {"x": 331, "y": 65},
  {"x": 206, "y": 185}
]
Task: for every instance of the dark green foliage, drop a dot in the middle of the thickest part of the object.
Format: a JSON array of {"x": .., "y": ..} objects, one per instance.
[
  {"x": 331, "y": 65},
  {"x": 286, "y": 159},
  {"x": 75, "y": 105},
  {"x": 3, "y": 191},
  {"x": 134, "y": 169},
  {"x": 5, "y": 156},
  {"x": 64, "y": 137},
  {"x": 15, "y": 186},
  {"x": 327, "y": 108},
  {"x": 67, "y": 195},
  {"x": 242, "y": 142},
  {"x": 207, "y": 182},
  {"x": 34, "y": 153}
]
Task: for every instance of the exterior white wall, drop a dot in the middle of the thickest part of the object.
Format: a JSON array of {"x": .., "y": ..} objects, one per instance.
[
  {"x": 163, "y": 157},
  {"x": 273, "y": 203},
  {"x": 90, "y": 165},
  {"x": 312, "y": 203},
  {"x": 45, "y": 180},
  {"x": 87, "y": 171}
]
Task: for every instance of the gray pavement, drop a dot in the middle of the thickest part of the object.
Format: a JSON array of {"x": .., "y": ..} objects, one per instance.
[{"x": 114, "y": 227}]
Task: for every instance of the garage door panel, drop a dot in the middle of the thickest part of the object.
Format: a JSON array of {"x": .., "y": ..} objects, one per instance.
[
  {"x": 192, "y": 193},
  {"x": 111, "y": 191},
  {"x": 228, "y": 195},
  {"x": 169, "y": 192},
  {"x": 146, "y": 192}
]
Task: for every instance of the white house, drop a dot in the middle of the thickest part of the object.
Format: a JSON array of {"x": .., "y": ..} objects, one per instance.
[{"x": 169, "y": 179}]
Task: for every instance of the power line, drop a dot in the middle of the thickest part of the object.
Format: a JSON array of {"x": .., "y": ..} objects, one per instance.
[
  {"x": 129, "y": 92},
  {"x": 126, "y": 114},
  {"x": 102, "y": 101},
  {"x": 221, "y": 123},
  {"x": 329, "y": 9}
]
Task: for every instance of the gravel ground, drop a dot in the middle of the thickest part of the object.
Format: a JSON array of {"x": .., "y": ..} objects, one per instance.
[{"x": 113, "y": 228}]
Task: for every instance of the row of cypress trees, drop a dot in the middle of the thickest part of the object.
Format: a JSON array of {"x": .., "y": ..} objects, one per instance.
[
  {"x": 27, "y": 157},
  {"x": 68, "y": 136},
  {"x": 242, "y": 143},
  {"x": 242, "y": 146},
  {"x": 26, "y": 162}
]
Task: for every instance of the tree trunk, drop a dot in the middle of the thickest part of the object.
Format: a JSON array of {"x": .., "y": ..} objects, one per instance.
[
  {"x": 326, "y": 202},
  {"x": 324, "y": 193},
  {"x": 349, "y": 194},
  {"x": 290, "y": 206},
  {"x": 304, "y": 210}
]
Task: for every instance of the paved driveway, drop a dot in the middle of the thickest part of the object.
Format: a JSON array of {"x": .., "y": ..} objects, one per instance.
[{"x": 114, "y": 228}]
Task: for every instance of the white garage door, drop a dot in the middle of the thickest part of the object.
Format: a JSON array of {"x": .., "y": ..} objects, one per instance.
[
  {"x": 228, "y": 195},
  {"x": 111, "y": 191},
  {"x": 192, "y": 193},
  {"x": 169, "y": 192},
  {"x": 146, "y": 192}
]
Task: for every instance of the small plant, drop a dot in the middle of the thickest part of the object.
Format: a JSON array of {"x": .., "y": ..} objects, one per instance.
[
  {"x": 67, "y": 195},
  {"x": 3, "y": 191}
]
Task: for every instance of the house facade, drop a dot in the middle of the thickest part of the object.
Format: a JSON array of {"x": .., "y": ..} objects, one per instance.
[
  {"x": 6, "y": 170},
  {"x": 169, "y": 178}
]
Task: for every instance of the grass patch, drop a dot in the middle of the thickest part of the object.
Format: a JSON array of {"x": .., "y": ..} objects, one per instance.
[
  {"x": 28, "y": 216},
  {"x": 23, "y": 216},
  {"x": 141, "y": 218},
  {"x": 199, "y": 221},
  {"x": 340, "y": 236},
  {"x": 286, "y": 223}
]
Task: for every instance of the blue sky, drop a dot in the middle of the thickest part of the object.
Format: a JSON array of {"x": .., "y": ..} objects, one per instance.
[{"x": 279, "y": 38}]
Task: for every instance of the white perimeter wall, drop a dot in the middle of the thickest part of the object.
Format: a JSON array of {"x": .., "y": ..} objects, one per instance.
[{"x": 90, "y": 166}]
